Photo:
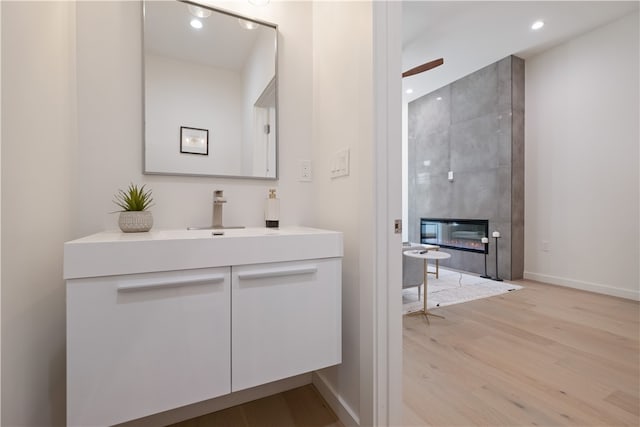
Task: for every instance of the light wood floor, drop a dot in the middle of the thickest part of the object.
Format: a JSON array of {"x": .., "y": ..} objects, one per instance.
[
  {"x": 300, "y": 407},
  {"x": 544, "y": 355}
]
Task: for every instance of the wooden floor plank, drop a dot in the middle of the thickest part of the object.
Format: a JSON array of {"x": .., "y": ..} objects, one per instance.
[
  {"x": 227, "y": 417},
  {"x": 309, "y": 409},
  {"x": 543, "y": 355},
  {"x": 300, "y": 407},
  {"x": 271, "y": 411},
  {"x": 626, "y": 401}
]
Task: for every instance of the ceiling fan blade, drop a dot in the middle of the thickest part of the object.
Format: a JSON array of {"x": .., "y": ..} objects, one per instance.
[{"x": 424, "y": 67}]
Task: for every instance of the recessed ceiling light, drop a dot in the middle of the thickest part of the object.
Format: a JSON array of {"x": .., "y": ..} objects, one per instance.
[
  {"x": 439, "y": 98},
  {"x": 537, "y": 25},
  {"x": 196, "y": 24},
  {"x": 199, "y": 12},
  {"x": 408, "y": 91},
  {"x": 247, "y": 25}
]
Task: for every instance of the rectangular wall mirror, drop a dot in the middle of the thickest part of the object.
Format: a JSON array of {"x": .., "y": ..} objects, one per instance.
[{"x": 213, "y": 73}]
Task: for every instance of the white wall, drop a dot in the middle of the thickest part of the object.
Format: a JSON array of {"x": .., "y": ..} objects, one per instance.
[
  {"x": 343, "y": 119},
  {"x": 581, "y": 162},
  {"x": 0, "y": 218},
  {"x": 180, "y": 93},
  {"x": 257, "y": 73},
  {"x": 62, "y": 162},
  {"x": 38, "y": 174},
  {"x": 110, "y": 130}
]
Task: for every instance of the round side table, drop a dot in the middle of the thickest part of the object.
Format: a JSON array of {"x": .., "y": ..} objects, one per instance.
[{"x": 426, "y": 255}]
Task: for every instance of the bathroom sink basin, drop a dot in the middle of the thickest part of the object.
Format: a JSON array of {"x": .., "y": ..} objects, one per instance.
[
  {"x": 163, "y": 250},
  {"x": 215, "y": 228}
]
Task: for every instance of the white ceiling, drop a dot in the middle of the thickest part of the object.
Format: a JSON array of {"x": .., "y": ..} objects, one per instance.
[
  {"x": 220, "y": 43},
  {"x": 470, "y": 35}
]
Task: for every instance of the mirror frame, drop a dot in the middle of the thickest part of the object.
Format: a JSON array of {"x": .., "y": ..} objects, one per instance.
[{"x": 276, "y": 83}]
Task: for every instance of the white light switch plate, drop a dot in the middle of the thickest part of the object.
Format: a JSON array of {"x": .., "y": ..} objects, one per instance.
[{"x": 340, "y": 163}]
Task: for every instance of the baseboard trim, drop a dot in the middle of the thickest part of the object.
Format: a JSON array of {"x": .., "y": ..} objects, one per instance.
[
  {"x": 343, "y": 410},
  {"x": 220, "y": 403},
  {"x": 584, "y": 286}
]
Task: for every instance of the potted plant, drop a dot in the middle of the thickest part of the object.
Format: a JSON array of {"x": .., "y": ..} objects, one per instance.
[{"x": 134, "y": 202}]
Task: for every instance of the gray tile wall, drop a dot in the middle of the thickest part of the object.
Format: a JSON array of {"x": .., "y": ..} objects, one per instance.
[{"x": 475, "y": 128}]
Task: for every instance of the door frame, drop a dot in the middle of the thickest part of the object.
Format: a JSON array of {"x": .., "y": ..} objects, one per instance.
[{"x": 387, "y": 82}]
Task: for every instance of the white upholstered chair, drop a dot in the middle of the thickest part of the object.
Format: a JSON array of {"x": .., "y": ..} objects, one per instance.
[{"x": 413, "y": 268}]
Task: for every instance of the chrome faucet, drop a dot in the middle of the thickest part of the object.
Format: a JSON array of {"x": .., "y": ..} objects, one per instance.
[
  {"x": 216, "y": 221},
  {"x": 218, "y": 201}
]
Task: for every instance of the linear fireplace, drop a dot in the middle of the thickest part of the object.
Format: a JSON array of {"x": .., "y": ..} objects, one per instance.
[{"x": 461, "y": 234}]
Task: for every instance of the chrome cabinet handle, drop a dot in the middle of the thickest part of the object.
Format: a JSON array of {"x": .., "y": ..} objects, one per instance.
[
  {"x": 172, "y": 282},
  {"x": 278, "y": 272}
]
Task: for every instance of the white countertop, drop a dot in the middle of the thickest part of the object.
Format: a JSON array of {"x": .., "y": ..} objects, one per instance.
[
  {"x": 113, "y": 252},
  {"x": 184, "y": 234}
]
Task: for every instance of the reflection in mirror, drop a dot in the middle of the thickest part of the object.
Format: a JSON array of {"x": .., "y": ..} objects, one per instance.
[{"x": 214, "y": 73}]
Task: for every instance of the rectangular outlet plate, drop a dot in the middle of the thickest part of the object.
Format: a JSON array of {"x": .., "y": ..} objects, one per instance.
[{"x": 304, "y": 171}]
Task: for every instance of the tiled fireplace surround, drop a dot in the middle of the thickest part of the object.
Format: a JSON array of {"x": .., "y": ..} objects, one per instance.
[{"x": 473, "y": 127}]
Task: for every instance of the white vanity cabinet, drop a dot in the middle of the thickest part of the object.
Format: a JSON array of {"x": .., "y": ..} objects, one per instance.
[
  {"x": 286, "y": 317},
  {"x": 168, "y": 318},
  {"x": 144, "y": 343}
]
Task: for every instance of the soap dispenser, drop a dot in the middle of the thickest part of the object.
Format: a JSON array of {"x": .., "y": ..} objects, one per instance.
[{"x": 272, "y": 210}]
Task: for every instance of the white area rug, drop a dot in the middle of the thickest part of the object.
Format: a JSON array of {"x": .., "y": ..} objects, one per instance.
[{"x": 453, "y": 287}]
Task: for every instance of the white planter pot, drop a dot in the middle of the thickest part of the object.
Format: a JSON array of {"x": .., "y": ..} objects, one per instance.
[{"x": 135, "y": 221}]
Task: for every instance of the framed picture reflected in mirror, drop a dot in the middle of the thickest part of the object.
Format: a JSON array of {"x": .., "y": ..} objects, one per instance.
[{"x": 194, "y": 140}]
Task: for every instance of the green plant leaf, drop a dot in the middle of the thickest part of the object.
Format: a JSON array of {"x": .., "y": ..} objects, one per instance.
[{"x": 134, "y": 198}]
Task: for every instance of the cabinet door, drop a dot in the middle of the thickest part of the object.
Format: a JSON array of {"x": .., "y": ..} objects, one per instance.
[
  {"x": 286, "y": 320},
  {"x": 142, "y": 344}
]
